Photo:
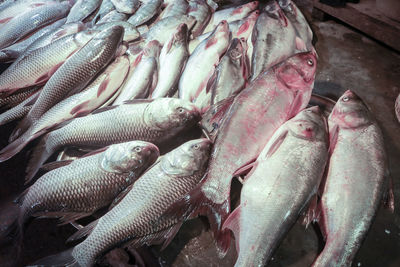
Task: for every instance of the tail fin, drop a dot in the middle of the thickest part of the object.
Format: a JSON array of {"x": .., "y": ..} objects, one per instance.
[
  {"x": 39, "y": 156},
  {"x": 12, "y": 149},
  {"x": 64, "y": 258}
]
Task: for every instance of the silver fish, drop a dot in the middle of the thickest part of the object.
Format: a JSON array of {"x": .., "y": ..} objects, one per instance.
[
  {"x": 145, "y": 12},
  {"x": 174, "y": 8},
  {"x": 155, "y": 121},
  {"x": 126, "y": 6},
  {"x": 112, "y": 16},
  {"x": 353, "y": 189},
  {"x": 105, "y": 7},
  {"x": 277, "y": 189},
  {"x": 134, "y": 220},
  {"x": 15, "y": 99},
  {"x": 82, "y": 9},
  {"x": 22, "y": 25},
  {"x": 173, "y": 58},
  {"x": 130, "y": 32},
  {"x": 202, "y": 13}
]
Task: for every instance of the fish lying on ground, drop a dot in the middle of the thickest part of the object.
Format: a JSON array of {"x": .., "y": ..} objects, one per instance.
[
  {"x": 82, "y": 9},
  {"x": 126, "y": 6},
  {"x": 145, "y": 12}
]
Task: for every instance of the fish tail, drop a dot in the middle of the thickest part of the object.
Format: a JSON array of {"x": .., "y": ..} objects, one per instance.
[
  {"x": 39, "y": 156},
  {"x": 12, "y": 149},
  {"x": 20, "y": 129},
  {"x": 64, "y": 258}
]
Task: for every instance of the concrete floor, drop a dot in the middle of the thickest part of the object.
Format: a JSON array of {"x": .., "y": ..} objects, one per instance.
[{"x": 347, "y": 60}]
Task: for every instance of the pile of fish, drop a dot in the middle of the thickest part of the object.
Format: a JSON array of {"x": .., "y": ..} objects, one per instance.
[{"x": 114, "y": 80}]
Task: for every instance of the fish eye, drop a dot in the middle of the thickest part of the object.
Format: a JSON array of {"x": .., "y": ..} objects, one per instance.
[
  {"x": 138, "y": 149},
  {"x": 196, "y": 146},
  {"x": 310, "y": 62},
  {"x": 181, "y": 110},
  {"x": 308, "y": 110},
  {"x": 345, "y": 99}
]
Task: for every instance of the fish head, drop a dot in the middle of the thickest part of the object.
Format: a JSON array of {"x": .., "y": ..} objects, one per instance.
[
  {"x": 309, "y": 124},
  {"x": 180, "y": 36},
  {"x": 129, "y": 156},
  {"x": 114, "y": 33},
  {"x": 169, "y": 113},
  {"x": 221, "y": 31},
  {"x": 350, "y": 112},
  {"x": 188, "y": 158},
  {"x": 236, "y": 51},
  {"x": 298, "y": 71},
  {"x": 190, "y": 21},
  {"x": 152, "y": 49}
]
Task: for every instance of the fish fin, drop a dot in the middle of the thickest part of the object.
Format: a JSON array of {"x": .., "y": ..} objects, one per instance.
[
  {"x": 171, "y": 234},
  {"x": 55, "y": 165},
  {"x": 389, "y": 194},
  {"x": 12, "y": 149},
  {"x": 120, "y": 197},
  {"x": 79, "y": 110},
  {"x": 103, "y": 86},
  {"x": 20, "y": 129},
  {"x": 83, "y": 232},
  {"x": 7, "y": 55},
  {"x": 137, "y": 101},
  {"x": 212, "y": 82},
  {"x": 64, "y": 258},
  {"x": 312, "y": 213},
  {"x": 5, "y": 20},
  {"x": 300, "y": 45},
  {"x": 245, "y": 169},
  {"x": 333, "y": 136},
  {"x": 233, "y": 223},
  {"x": 33, "y": 100},
  {"x": 94, "y": 152},
  {"x": 64, "y": 217},
  {"x": 296, "y": 105},
  {"x": 103, "y": 109}
]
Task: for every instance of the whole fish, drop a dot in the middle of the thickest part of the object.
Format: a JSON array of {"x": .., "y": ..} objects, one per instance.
[
  {"x": 130, "y": 32},
  {"x": 133, "y": 221},
  {"x": 231, "y": 74},
  {"x": 14, "y": 51},
  {"x": 273, "y": 39},
  {"x": 174, "y": 8},
  {"x": 15, "y": 99},
  {"x": 397, "y": 108},
  {"x": 154, "y": 121},
  {"x": 202, "y": 13},
  {"x": 276, "y": 96},
  {"x": 353, "y": 189},
  {"x": 163, "y": 29},
  {"x": 173, "y": 58},
  {"x": 299, "y": 22},
  {"x": 231, "y": 14},
  {"x": 70, "y": 78},
  {"x": 82, "y": 9},
  {"x": 112, "y": 16},
  {"x": 39, "y": 65},
  {"x": 105, "y": 7},
  {"x": 80, "y": 104},
  {"x": 20, "y": 110},
  {"x": 22, "y": 25},
  {"x": 126, "y": 6},
  {"x": 284, "y": 178},
  {"x": 144, "y": 76},
  {"x": 145, "y": 12},
  {"x": 80, "y": 187},
  {"x": 201, "y": 65}
]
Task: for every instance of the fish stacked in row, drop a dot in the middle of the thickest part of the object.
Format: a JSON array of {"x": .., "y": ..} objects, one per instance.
[{"x": 119, "y": 78}]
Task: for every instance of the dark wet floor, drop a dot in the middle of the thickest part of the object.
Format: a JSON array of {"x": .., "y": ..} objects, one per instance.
[{"x": 347, "y": 60}]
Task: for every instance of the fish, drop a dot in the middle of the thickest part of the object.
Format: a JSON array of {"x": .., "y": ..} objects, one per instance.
[
  {"x": 105, "y": 7},
  {"x": 154, "y": 121},
  {"x": 144, "y": 77},
  {"x": 80, "y": 104},
  {"x": 273, "y": 39},
  {"x": 70, "y": 78},
  {"x": 173, "y": 57},
  {"x": 134, "y": 220},
  {"x": 113, "y": 16},
  {"x": 20, "y": 110},
  {"x": 77, "y": 188},
  {"x": 174, "y": 8},
  {"x": 281, "y": 182},
  {"x": 162, "y": 30},
  {"x": 145, "y": 12},
  {"x": 202, "y": 13},
  {"x": 126, "y": 6},
  {"x": 231, "y": 14},
  {"x": 82, "y": 9},
  {"x": 231, "y": 74},
  {"x": 130, "y": 32},
  {"x": 397, "y": 108},
  {"x": 14, "y": 51},
  {"x": 27, "y": 22},
  {"x": 201, "y": 65},
  {"x": 256, "y": 112},
  {"x": 358, "y": 184},
  {"x": 37, "y": 67},
  {"x": 304, "y": 32},
  {"x": 15, "y": 99}
]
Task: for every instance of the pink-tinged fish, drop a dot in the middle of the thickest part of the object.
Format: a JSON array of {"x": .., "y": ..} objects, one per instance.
[
  {"x": 397, "y": 108},
  {"x": 273, "y": 39},
  {"x": 231, "y": 14},
  {"x": 276, "y": 96},
  {"x": 283, "y": 179},
  {"x": 75, "y": 189},
  {"x": 202, "y": 13},
  {"x": 201, "y": 65},
  {"x": 80, "y": 104},
  {"x": 70, "y": 78},
  {"x": 134, "y": 221},
  {"x": 355, "y": 181},
  {"x": 39, "y": 65},
  {"x": 24, "y": 24}
]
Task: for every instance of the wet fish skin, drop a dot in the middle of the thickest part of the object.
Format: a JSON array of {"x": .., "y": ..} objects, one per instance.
[
  {"x": 202, "y": 13},
  {"x": 154, "y": 121},
  {"x": 130, "y": 32},
  {"x": 86, "y": 184},
  {"x": 231, "y": 74},
  {"x": 277, "y": 95},
  {"x": 273, "y": 39},
  {"x": 174, "y": 8},
  {"x": 113, "y": 16},
  {"x": 14, "y": 51},
  {"x": 29, "y": 21},
  {"x": 359, "y": 184},
  {"x": 126, "y": 6},
  {"x": 105, "y": 7},
  {"x": 175, "y": 174},
  {"x": 15, "y": 99},
  {"x": 82, "y": 9},
  {"x": 38, "y": 66},
  {"x": 173, "y": 58},
  {"x": 277, "y": 190},
  {"x": 145, "y": 12},
  {"x": 201, "y": 65}
]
